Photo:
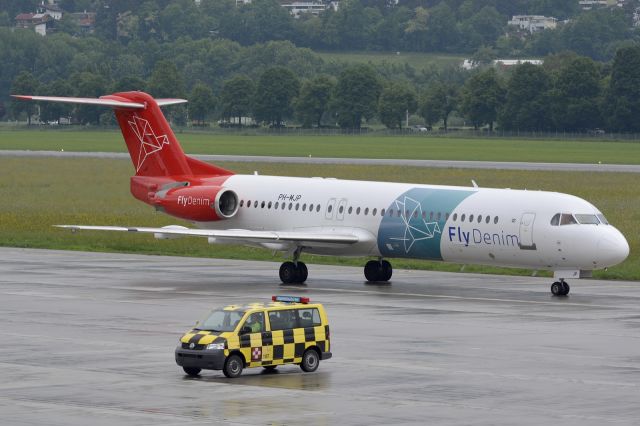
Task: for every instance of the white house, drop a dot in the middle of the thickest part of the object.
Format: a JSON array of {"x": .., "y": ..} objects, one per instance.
[
  {"x": 533, "y": 23},
  {"x": 297, "y": 7}
]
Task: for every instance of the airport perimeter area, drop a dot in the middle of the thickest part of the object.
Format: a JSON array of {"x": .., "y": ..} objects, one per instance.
[{"x": 89, "y": 337}]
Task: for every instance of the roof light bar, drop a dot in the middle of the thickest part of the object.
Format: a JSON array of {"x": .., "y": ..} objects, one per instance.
[{"x": 290, "y": 299}]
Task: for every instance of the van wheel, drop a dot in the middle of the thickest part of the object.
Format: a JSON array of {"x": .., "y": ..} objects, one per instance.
[
  {"x": 192, "y": 371},
  {"x": 310, "y": 361},
  {"x": 232, "y": 366}
]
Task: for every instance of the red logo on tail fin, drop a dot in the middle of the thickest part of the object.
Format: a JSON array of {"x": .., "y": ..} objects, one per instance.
[{"x": 149, "y": 142}]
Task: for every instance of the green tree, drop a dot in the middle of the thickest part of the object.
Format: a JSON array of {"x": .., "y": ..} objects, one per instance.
[
  {"x": 236, "y": 97},
  {"x": 526, "y": 105},
  {"x": 277, "y": 88},
  {"x": 396, "y": 101},
  {"x": 356, "y": 95},
  {"x": 576, "y": 96},
  {"x": 127, "y": 84},
  {"x": 89, "y": 85},
  {"x": 481, "y": 98},
  {"x": 166, "y": 81},
  {"x": 52, "y": 111},
  {"x": 24, "y": 84},
  {"x": 438, "y": 102},
  {"x": 622, "y": 103},
  {"x": 313, "y": 101},
  {"x": 201, "y": 102}
]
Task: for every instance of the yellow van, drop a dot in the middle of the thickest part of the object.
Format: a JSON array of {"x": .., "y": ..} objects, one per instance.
[{"x": 289, "y": 330}]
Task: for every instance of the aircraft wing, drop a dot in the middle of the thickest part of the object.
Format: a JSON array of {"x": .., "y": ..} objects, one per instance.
[{"x": 240, "y": 235}]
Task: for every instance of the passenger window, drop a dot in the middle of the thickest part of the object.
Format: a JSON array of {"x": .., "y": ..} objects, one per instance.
[
  {"x": 310, "y": 207},
  {"x": 415, "y": 213},
  {"x": 290, "y": 206},
  {"x": 567, "y": 219},
  {"x": 358, "y": 210},
  {"x": 297, "y": 206},
  {"x": 431, "y": 216},
  {"x": 390, "y": 212},
  {"x": 495, "y": 220},
  {"x": 439, "y": 216},
  {"x": 470, "y": 218},
  {"x": 241, "y": 203},
  {"x": 446, "y": 216},
  {"x": 487, "y": 219},
  {"x": 309, "y": 317},
  {"x": 373, "y": 213},
  {"x": 262, "y": 205},
  {"x": 555, "y": 220},
  {"x": 269, "y": 205},
  {"x": 382, "y": 212},
  {"x": 248, "y": 203},
  {"x": 479, "y": 218},
  {"x": 462, "y": 218},
  {"x": 330, "y": 208},
  {"x": 304, "y": 207},
  {"x": 318, "y": 208},
  {"x": 455, "y": 217},
  {"x": 340, "y": 209},
  {"x": 282, "y": 320},
  {"x": 350, "y": 209},
  {"x": 276, "y": 205},
  {"x": 366, "y": 211},
  {"x": 255, "y": 204}
]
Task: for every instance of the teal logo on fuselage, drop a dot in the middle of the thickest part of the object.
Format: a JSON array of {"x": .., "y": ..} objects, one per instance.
[{"x": 412, "y": 225}]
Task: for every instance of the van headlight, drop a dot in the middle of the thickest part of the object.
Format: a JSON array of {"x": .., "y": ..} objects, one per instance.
[{"x": 215, "y": 346}]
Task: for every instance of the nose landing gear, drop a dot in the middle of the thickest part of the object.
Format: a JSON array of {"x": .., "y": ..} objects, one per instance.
[
  {"x": 378, "y": 270},
  {"x": 560, "y": 288}
]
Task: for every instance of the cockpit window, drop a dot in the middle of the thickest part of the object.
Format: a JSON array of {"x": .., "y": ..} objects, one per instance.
[
  {"x": 587, "y": 219},
  {"x": 603, "y": 219},
  {"x": 567, "y": 219},
  {"x": 555, "y": 220}
]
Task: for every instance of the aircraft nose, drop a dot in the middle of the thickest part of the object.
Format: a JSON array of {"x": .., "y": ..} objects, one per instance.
[{"x": 613, "y": 248}]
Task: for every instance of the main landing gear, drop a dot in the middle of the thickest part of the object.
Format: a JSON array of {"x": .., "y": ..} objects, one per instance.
[
  {"x": 378, "y": 270},
  {"x": 560, "y": 288},
  {"x": 295, "y": 272}
]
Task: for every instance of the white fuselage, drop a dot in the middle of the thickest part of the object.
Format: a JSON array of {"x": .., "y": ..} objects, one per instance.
[{"x": 501, "y": 227}]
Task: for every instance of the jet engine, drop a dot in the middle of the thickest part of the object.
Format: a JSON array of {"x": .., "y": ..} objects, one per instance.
[{"x": 198, "y": 203}]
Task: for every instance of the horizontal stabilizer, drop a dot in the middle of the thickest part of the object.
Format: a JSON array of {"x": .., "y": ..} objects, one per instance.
[{"x": 104, "y": 101}]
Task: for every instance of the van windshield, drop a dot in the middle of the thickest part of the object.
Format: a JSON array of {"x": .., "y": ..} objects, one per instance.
[{"x": 220, "y": 320}]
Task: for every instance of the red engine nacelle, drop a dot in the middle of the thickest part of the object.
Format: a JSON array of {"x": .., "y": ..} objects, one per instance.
[{"x": 198, "y": 203}]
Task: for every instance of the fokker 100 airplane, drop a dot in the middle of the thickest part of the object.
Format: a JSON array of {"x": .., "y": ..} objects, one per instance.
[{"x": 469, "y": 225}]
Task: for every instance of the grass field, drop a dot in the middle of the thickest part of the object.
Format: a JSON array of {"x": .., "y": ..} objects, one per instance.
[
  {"x": 419, "y": 61},
  {"x": 39, "y": 192},
  {"x": 413, "y": 147}
]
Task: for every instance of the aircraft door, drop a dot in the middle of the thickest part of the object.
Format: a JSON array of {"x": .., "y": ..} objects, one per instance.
[
  {"x": 331, "y": 206},
  {"x": 526, "y": 231}
]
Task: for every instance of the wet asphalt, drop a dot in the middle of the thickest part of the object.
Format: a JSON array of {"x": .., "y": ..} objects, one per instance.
[{"x": 88, "y": 338}]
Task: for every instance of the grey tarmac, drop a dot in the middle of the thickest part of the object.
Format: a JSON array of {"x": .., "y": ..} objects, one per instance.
[
  {"x": 89, "y": 338},
  {"x": 446, "y": 164}
]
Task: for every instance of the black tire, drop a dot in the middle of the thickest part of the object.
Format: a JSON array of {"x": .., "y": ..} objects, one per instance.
[
  {"x": 387, "y": 270},
  {"x": 310, "y": 360},
  {"x": 192, "y": 371},
  {"x": 303, "y": 272},
  {"x": 288, "y": 272},
  {"x": 372, "y": 271},
  {"x": 565, "y": 288},
  {"x": 557, "y": 289},
  {"x": 233, "y": 366}
]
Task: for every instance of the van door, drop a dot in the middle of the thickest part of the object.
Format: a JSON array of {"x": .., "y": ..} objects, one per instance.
[{"x": 255, "y": 340}]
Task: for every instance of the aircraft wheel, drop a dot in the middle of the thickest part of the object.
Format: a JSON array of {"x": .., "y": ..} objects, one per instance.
[
  {"x": 560, "y": 288},
  {"x": 372, "y": 271},
  {"x": 303, "y": 272},
  {"x": 288, "y": 272},
  {"x": 387, "y": 271}
]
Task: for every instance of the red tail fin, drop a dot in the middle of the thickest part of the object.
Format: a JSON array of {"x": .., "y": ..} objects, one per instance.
[{"x": 153, "y": 147}]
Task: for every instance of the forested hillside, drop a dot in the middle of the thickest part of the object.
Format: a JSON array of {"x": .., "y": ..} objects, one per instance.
[{"x": 220, "y": 55}]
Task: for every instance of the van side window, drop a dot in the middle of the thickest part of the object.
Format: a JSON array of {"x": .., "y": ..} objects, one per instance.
[
  {"x": 309, "y": 317},
  {"x": 282, "y": 320}
]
